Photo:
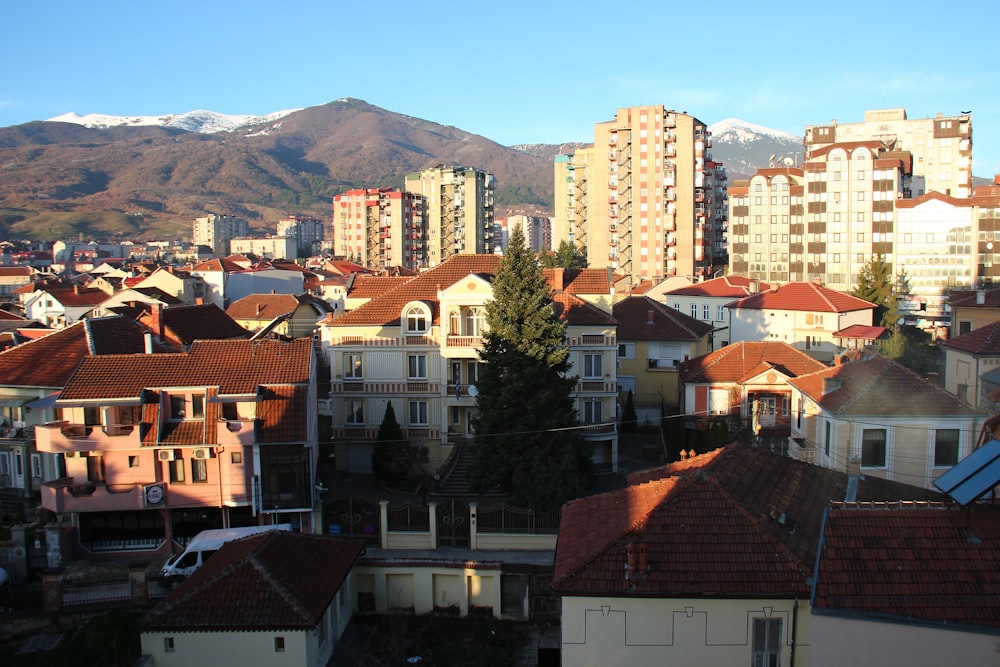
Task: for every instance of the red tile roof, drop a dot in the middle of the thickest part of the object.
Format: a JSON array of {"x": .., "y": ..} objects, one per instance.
[
  {"x": 803, "y": 296},
  {"x": 913, "y": 561},
  {"x": 878, "y": 387},
  {"x": 262, "y": 306},
  {"x": 224, "y": 265},
  {"x": 579, "y": 281},
  {"x": 984, "y": 341},
  {"x": 272, "y": 581},
  {"x": 574, "y": 310},
  {"x": 861, "y": 332},
  {"x": 365, "y": 286},
  {"x": 234, "y": 366},
  {"x": 991, "y": 298},
  {"x": 77, "y": 296},
  {"x": 634, "y": 322},
  {"x": 186, "y": 324},
  {"x": 735, "y": 362},
  {"x": 735, "y": 287},
  {"x": 49, "y": 361}
]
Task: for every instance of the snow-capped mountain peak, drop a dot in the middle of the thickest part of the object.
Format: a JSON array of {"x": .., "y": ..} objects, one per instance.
[
  {"x": 734, "y": 130},
  {"x": 200, "y": 120}
]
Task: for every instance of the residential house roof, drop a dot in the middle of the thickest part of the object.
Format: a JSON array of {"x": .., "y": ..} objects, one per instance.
[
  {"x": 803, "y": 296},
  {"x": 787, "y": 496},
  {"x": 990, "y": 298},
  {"x": 366, "y": 286},
  {"x": 15, "y": 272},
  {"x": 266, "y": 307},
  {"x": 735, "y": 287},
  {"x": 186, "y": 324},
  {"x": 579, "y": 281},
  {"x": 743, "y": 359},
  {"x": 49, "y": 361},
  {"x": 574, "y": 310},
  {"x": 929, "y": 562},
  {"x": 878, "y": 386},
  {"x": 984, "y": 341},
  {"x": 861, "y": 332},
  {"x": 74, "y": 295},
  {"x": 224, "y": 265},
  {"x": 643, "y": 318},
  {"x": 236, "y": 367},
  {"x": 276, "y": 580}
]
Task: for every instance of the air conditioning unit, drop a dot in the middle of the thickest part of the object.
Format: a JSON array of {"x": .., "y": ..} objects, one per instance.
[
  {"x": 76, "y": 455},
  {"x": 164, "y": 455},
  {"x": 202, "y": 453}
]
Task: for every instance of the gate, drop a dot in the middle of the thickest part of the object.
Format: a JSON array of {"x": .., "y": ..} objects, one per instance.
[
  {"x": 354, "y": 518},
  {"x": 453, "y": 524}
]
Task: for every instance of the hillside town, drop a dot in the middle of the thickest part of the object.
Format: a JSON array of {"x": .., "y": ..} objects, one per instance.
[{"x": 763, "y": 428}]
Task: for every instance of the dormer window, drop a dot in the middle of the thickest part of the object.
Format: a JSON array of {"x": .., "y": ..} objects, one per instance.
[
  {"x": 187, "y": 406},
  {"x": 416, "y": 319}
]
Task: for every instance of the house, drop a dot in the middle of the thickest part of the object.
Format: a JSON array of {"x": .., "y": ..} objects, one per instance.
[
  {"x": 292, "y": 315},
  {"x": 134, "y": 296},
  {"x": 31, "y": 375},
  {"x": 704, "y": 561},
  {"x": 157, "y": 447},
  {"x": 806, "y": 315},
  {"x": 277, "y": 598},
  {"x": 968, "y": 357},
  {"x": 880, "y": 417},
  {"x": 183, "y": 325},
  {"x": 181, "y": 284},
  {"x": 215, "y": 273},
  {"x": 363, "y": 287},
  {"x": 653, "y": 341},
  {"x": 59, "y": 305},
  {"x": 12, "y": 278},
  {"x": 417, "y": 346},
  {"x": 707, "y": 301},
  {"x": 906, "y": 584},
  {"x": 745, "y": 384},
  {"x": 971, "y": 309},
  {"x": 264, "y": 279}
]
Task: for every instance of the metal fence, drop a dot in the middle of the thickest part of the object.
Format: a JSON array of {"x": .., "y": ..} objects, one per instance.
[
  {"x": 110, "y": 589},
  {"x": 409, "y": 517},
  {"x": 504, "y": 518}
]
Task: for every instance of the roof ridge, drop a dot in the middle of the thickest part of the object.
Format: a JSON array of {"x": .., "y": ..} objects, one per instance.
[
  {"x": 253, "y": 558},
  {"x": 818, "y": 289},
  {"x": 864, "y": 390}
]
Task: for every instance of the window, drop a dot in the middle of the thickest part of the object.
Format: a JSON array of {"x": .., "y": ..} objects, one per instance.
[
  {"x": 236, "y": 458},
  {"x": 353, "y": 368},
  {"x": 133, "y": 462},
  {"x": 472, "y": 372},
  {"x": 945, "y": 447},
  {"x": 626, "y": 350},
  {"x": 593, "y": 412},
  {"x": 964, "y": 327},
  {"x": 475, "y": 321},
  {"x": 168, "y": 644},
  {"x": 229, "y": 412},
  {"x": 873, "y": 448},
  {"x": 766, "y": 642},
  {"x": 36, "y": 465},
  {"x": 721, "y": 315},
  {"x": 354, "y": 412},
  {"x": 418, "y": 413},
  {"x": 199, "y": 470},
  {"x": 416, "y": 366},
  {"x": 279, "y": 644},
  {"x": 415, "y": 320},
  {"x": 198, "y": 406},
  {"x": 593, "y": 366},
  {"x": 178, "y": 407},
  {"x": 176, "y": 470},
  {"x": 706, "y": 312},
  {"x": 826, "y": 438},
  {"x": 694, "y": 310}
]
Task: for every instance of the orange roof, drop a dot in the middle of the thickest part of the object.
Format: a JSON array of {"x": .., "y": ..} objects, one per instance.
[
  {"x": 643, "y": 318},
  {"x": 735, "y": 362},
  {"x": 367, "y": 286},
  {"x": 734, "y": 287},
  {"x": 803, "y": 296},
  {"x": 262, "y": 306},
  {"x": 982, "y": 341}
]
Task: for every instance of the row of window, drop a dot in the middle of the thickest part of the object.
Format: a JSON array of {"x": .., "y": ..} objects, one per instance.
[
  {"x": 873, "y": 446},
  {"x": 418, "y": 414},
  {"x": 416, "y": 367}
]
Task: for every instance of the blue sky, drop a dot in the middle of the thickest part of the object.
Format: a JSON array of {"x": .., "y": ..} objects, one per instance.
[{"x": 516, "y": 72}]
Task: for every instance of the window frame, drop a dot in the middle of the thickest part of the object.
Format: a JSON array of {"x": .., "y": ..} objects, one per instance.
[
  {"x": 593, "y": 412},
  {"x": 419, "y": 408},
  {"x": 882, "y": 442},
  {"x": 954, "y": 445},
  {"x": 416, "y": 366},
  {"x": 415, "y": 320},
  {"x": 590, "y": 360},
  {"x": 354, "y": 365},
  {"x": 354, "y": 412}
]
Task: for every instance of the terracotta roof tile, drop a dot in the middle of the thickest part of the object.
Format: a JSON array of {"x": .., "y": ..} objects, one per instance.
[
  {"x": 734, "y": 362},
  {"x": 878, "y": 386},
  {"x": 49, "y": 361},
  {"x": 982, "y": 341},
  {"x": 633, "y": 315},
  {"x": 366, "y": 286},
  {"x": 804, "y": 296},
  {"x": 187, "y": 324},
  {"x": 860, "y": 331},
  {"x": 272, "y": 581},
  {"x": 262, "y": 306},
  {"x": 574, "y": 310},
  {"x": 991, "y": 298},
  {"x": 914, "y": 561},
  {"x": 735, "y": 287}
]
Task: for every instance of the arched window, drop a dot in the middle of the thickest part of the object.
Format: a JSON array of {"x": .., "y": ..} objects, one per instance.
[
  {"x": 455, "y": 323},
  {"x": 415, "y": 320}
]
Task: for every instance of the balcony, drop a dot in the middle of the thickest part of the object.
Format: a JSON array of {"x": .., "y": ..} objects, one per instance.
[
  {"x": 62, "y": 436},
  {"x": 602, "y": 430},
  {"x": 67, "y": 495},
  {"x": 463, "y": 341}
]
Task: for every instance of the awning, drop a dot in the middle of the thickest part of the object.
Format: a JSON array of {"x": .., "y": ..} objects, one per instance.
[
  {"x": 100, "y": 403},
  {"x": 44, "y": 402}
]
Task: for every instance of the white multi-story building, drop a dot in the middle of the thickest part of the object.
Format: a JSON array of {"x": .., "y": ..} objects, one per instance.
[{"x": 216, "y": 231}]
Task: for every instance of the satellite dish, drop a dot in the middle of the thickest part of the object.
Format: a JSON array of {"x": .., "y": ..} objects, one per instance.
[
  {"x": 788, "y": 161},
  {"x": 989, "y": 246},
  {"x": 473, "y": 392}
]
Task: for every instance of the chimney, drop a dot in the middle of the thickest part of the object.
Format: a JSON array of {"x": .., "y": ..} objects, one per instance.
[
  {"x": 558, "y": 279},
  {"x": 980, "y": 297},
  {"x": 156, "y": 319},
  {"x": 147, "y": 341},
  {"x": 754, "y": 286},
  {"x": 649, "y": 316}
]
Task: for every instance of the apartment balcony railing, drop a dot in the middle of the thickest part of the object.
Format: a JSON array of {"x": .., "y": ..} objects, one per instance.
[
  {"x": 62, "y": 436},
  {"x": 599, "y": 429},
  {"x": 69, "y": 495}
]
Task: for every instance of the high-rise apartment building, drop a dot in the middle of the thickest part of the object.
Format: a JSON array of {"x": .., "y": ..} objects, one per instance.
[
  {"x": 641, "y": 199},
  {"x": 941, "y": 147},
  {"x": 380, "y": 228},
  {"x": 458, "y": 210},
  {"x": 537, "y": 231},
  {"x": 216, "y": 231},
  {"x": 308, "y": 232}
]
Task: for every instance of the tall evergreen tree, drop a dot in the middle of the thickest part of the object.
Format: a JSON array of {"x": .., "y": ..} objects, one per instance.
[
  {"x": 564, "y": 257},
  {"x": 525, "y": 440},
  {"x": 876, "y": 284},
  {"x": 391, "y": 460}
]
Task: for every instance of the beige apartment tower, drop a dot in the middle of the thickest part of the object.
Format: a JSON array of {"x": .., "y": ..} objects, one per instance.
[
  {"x": 458, "y": 210},
  {"x": 941, "y": 147},
  {"x": 640, "y": 200},
  {"x": 380, "y": 228}
]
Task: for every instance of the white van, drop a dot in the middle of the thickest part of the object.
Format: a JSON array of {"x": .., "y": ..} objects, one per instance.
[{"x": 180, "y": 566}]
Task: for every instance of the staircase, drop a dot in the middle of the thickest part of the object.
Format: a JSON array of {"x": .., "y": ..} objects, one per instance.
[{"x": 457, "y": 482}]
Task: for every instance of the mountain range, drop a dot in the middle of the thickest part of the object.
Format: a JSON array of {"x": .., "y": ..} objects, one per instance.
[{"x": 151, "y": 175}]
